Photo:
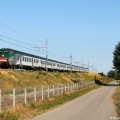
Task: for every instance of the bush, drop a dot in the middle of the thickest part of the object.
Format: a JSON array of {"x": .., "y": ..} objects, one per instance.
[{"x": 8, "y": 116}]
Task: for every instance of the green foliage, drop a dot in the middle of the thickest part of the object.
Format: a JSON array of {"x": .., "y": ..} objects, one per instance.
[
  {"x": 37, "y": 77},
  {"x": 32, "y": 105},
  {"x": 117, "y": 100},
  {"x": 102, "y": 74},
  {"x": 118, "y": 104},
  {"x": 116, "y": 58},
  {"x": 43, "y": 73},
  {"x": 57, "y": 75},
  {"x": 8, "y": 116},
  {"x": 113, "y": 74}
]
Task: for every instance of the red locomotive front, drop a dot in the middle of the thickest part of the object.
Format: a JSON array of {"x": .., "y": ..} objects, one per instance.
[{"x": 4, "y": 62}]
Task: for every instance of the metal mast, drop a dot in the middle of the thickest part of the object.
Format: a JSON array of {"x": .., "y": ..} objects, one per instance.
[
  {"x": 46, "y": 47},
  {"x": 46, "y": 55},
  {"x": 71, "y": 62}
]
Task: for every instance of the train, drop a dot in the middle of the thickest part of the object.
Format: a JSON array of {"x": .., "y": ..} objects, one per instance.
[{"x": 10, "y": 58}]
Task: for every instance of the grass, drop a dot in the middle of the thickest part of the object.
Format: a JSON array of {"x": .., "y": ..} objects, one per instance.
[
  {"x": 8, "y": 116},
  {"x": 18, "y": 79},
  {"x": 35, "y": 108},
  {"x": 117, "y": 100}
]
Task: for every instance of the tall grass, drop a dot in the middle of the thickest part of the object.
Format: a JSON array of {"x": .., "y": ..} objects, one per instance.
[
  {"x": 8, "y": 116},
  {"x": 117, "y": 100}
]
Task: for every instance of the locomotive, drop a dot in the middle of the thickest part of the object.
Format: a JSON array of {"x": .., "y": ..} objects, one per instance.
[{"x": 4, "y": 62}]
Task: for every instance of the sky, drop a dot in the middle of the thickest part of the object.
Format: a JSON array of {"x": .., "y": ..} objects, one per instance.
[{"x": 86, "y": 29}]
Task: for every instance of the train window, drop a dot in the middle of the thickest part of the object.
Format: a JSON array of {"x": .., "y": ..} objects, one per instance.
[
  {"x": 25, "y": 59},
  {"x": 42, "y": 62},
  {"x": 53, "y": 64},
  {"x": 49, "y": 63},
  {"x": 29, "y": 59},
  {"x": 37, "y": 61},
  {"x": 61, "y": 65}
]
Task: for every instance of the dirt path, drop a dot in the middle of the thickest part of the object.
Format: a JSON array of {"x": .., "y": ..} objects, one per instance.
[{"x": 95, "y": 105}]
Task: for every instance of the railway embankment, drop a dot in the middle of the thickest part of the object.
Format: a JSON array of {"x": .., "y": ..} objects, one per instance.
[{"x": 22, "y": 78}]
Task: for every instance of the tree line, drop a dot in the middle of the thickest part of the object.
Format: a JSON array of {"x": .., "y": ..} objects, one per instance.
[{"x": 115, "y": 72}]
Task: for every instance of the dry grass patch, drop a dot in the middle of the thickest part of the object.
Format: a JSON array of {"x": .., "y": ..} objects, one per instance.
[{"x": 117, "y": 100}]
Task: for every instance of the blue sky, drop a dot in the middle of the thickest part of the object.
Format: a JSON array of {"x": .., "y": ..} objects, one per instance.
[{"x": 87, "y": 29}]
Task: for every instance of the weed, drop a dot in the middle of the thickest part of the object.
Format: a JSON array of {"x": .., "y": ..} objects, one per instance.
[
  {"x": 117, "y": 100},
  {"x": 32, "y": 105},
  {"x": 8, "y": 116},
  {"x": 42, "y": 73},
  {"x": 37, "y": 77}
]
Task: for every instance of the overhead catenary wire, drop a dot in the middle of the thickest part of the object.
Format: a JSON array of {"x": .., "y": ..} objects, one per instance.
[
  {"x": 17, "y": 31},
  {"x": 15, "y": 40},
  {"x": 17, "y": 44}
]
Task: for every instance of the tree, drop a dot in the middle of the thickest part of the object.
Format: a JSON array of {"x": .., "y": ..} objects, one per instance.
[
  {"x": 116, "y": 58},
  {"x": 102, "y": 74},
  {"x": 112, "y": 74}
]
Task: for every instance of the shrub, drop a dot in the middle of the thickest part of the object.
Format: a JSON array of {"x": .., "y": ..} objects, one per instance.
[{"x": 8, "y": 116}]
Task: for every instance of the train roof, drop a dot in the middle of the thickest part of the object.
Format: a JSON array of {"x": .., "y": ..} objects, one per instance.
[{"x": 31, "y": 55}]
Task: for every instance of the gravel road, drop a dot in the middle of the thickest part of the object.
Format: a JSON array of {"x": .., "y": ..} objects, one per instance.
[{"x": 95, "y": 105}]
